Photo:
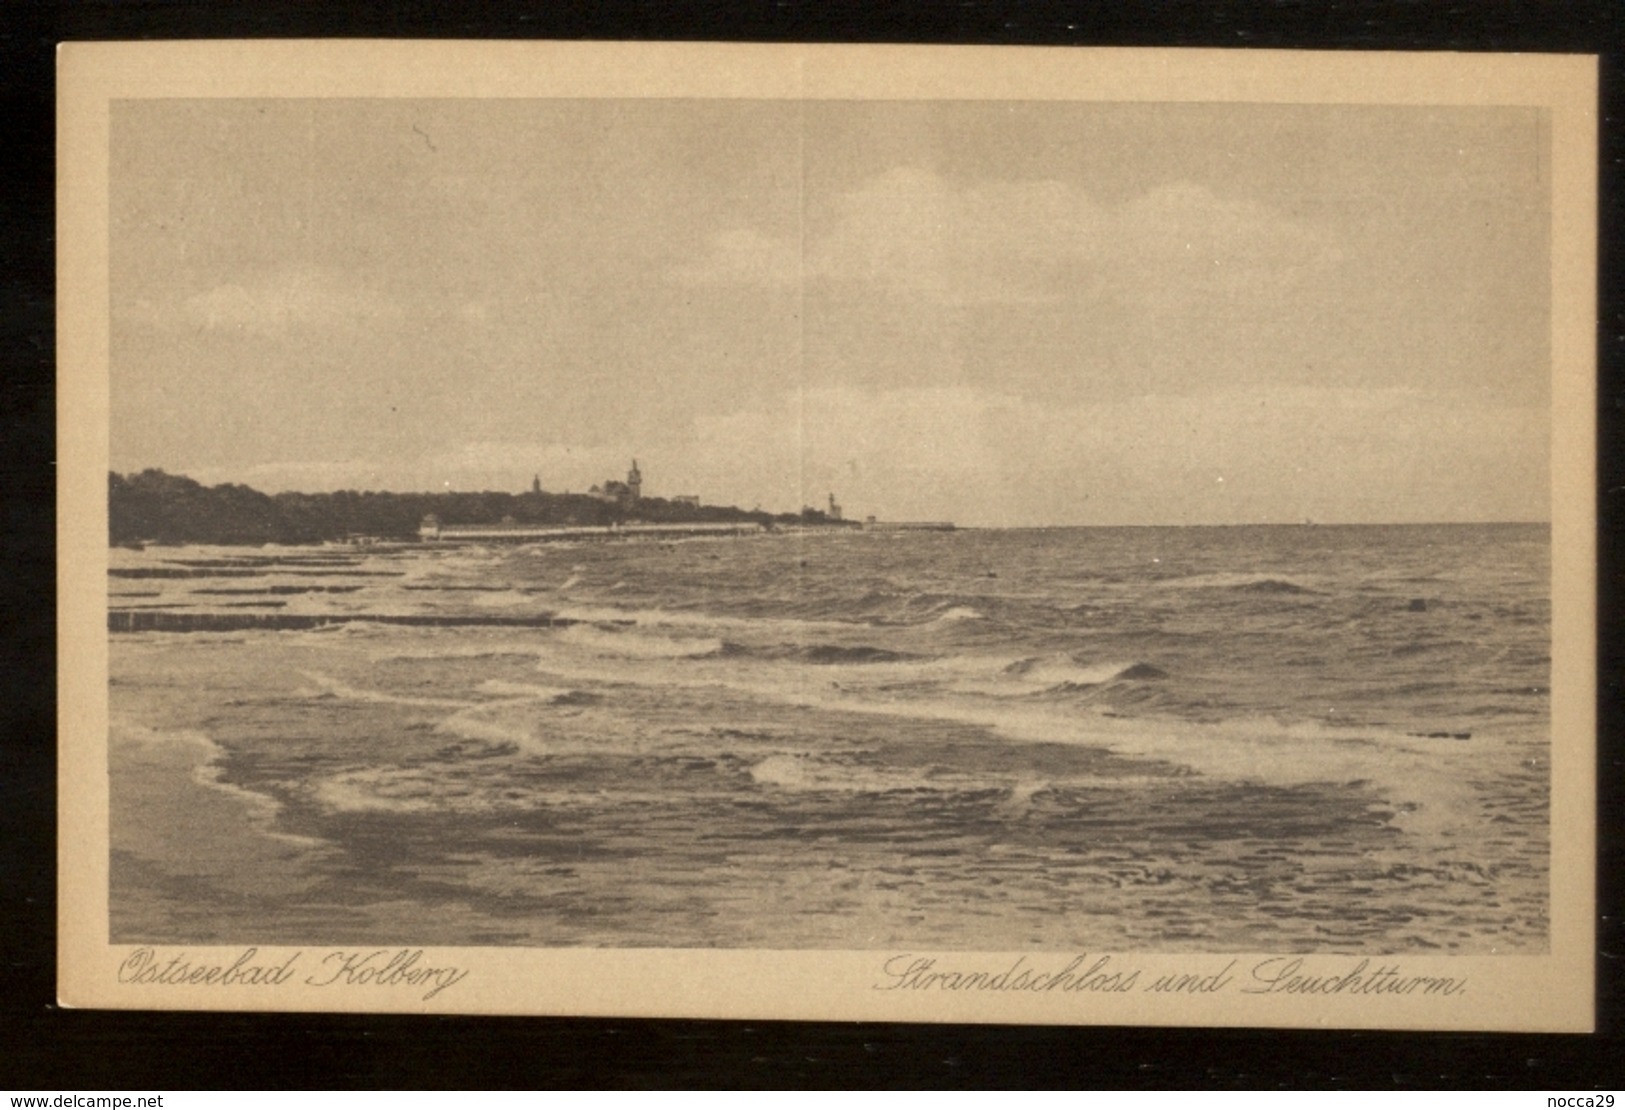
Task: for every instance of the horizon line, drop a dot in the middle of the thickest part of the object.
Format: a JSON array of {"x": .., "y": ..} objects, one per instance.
[{"x": 857, "y": 521}]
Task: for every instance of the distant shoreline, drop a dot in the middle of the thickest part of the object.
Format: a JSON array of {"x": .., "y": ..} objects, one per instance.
[
  {"x": 153, "y": 508},
  {"x": 633, "y": 535}
]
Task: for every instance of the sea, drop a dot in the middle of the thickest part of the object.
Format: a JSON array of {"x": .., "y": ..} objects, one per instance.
[{"x": 1283, "y": 739}]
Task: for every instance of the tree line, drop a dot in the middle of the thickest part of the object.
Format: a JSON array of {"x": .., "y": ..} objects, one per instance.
[{"x": 156, "y": 507}]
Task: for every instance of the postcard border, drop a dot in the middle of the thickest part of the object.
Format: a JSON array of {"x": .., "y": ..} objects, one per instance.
[{"x": 1553, "y": 992}]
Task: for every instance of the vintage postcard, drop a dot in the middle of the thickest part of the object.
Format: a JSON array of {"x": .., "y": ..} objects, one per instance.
[{"x": 880, "y": 533}]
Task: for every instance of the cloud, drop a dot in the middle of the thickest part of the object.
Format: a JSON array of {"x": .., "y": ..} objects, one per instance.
[
  {"x": 743, "y": 256},
  {"x": 285, "y": 299},
  {"x": 981, "y": 456},
  {"x": 912, "y": 234},
  {"x": 990, "y": 457},
  {"x": 1233, "y": 455}
]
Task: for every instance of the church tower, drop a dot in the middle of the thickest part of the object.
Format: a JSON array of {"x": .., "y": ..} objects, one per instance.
[{"x": 634, "y": 482}]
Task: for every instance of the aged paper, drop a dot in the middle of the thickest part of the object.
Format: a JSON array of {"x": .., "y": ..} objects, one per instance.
[{"x": 879, "y": 533}]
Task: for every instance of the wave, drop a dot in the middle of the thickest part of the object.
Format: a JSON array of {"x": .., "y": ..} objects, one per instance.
[
  {"x": 495, "y": 599},
  {"x": 782, "y": 770},
  {"x": 513, "y": 722},
  {"x": 394, "y": 790},
  {"x": 328, "y": 687},
  {"x": 143, "y": 752},
  {"x": 909, "y": 608},
  {"x": 1061, "y": 674},
  {"x": 628, "y": 644},
  {"x": 862, "y": 653},
  {"x": 1274, "y": 586},
  {"x": 802, "y": 772},
  {"x": 522, "y": 691},
  {"x": 445, "y": 587},
  {"x": 1142, "y": 671},
  {"x": 476, "y": 725},
  {"x": 819, "y": 654},
  {"x": 467, "y": 652},
  {"x": 1422, "y": 782},
  {"x": 788, "y": 628},
  {"x": 958, "y": 613}
]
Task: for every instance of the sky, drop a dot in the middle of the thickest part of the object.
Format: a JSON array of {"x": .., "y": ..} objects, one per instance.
[{"x": 996, "y": 313}]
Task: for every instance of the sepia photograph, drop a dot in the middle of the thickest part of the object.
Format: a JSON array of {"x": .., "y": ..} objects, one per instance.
[{"x": 1030, "y": 544}]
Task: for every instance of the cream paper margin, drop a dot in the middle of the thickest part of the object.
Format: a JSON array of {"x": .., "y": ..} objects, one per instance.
[{"x": 1552, "y": 992}]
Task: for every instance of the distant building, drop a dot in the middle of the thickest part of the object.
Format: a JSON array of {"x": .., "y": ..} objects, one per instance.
[
  {"x": 686, "y": 499},
  {"x": 536, "y": 484},
  {"x": 834, "y": 508}
]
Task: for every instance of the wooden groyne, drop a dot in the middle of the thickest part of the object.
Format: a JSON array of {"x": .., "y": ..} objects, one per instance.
[{"x": 244, "y": 572}]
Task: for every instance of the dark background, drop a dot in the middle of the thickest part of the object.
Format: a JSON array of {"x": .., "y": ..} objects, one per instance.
[{"x": 45, "y": 1048}]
